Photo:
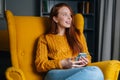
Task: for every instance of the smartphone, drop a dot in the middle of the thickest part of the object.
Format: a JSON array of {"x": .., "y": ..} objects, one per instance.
[
  {"x": 83, "y": 54},
  {"x": 80, "y": 55}
]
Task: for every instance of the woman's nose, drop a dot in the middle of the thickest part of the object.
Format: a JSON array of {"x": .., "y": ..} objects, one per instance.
[{"x": 69, "y": 17}]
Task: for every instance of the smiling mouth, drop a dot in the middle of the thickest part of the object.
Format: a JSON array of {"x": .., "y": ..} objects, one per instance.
[{"x": 68, "y": 22}]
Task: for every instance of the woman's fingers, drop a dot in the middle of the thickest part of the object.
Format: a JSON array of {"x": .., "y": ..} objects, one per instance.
[
  {"x": 84, "y": 58},
  {"x": 76, "y": 62},
  {"x": 77, "y": 66},
  {"x": 80, "y": 63}
]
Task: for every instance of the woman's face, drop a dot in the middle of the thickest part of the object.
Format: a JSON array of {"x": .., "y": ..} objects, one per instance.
[{"x": 64, "y": 18}]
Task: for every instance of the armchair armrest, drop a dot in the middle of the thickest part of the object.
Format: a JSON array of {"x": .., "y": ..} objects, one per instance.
[
  {"x": 13, "y": 73},
  {"x": 109, "y": 68}
]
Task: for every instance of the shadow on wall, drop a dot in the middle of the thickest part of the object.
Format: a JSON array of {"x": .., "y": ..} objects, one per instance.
[
  {"x": 4, "y": 40},
  {"x": 4, "y": 63}
]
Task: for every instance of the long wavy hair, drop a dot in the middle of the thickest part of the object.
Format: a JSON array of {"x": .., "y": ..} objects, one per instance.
[{"x": 71, "y": 33}]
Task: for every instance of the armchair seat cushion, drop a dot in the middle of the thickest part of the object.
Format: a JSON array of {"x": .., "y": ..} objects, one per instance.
[{"x": 110, "y": 68}]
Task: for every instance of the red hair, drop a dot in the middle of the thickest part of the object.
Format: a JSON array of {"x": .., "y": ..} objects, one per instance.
[{"x": 71, "y": 33}]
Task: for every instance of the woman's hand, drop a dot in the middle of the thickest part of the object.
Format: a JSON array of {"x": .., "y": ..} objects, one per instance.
[
  {"x": 83, "y": 61},
  {"x": 66, "y": 63}
]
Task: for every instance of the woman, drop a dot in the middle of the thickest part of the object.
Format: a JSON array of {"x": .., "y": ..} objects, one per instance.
[{"x": 57, "y": 48}]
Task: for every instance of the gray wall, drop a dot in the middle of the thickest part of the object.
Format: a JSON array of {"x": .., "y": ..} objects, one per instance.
[
  {"x": 21, "y": 7},
  {"x": 24, "y": 7}
]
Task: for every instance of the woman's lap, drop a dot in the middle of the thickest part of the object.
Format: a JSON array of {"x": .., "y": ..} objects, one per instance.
[
  {"x": 61, "y": 74},
  {"x": 84, "y": 73}
]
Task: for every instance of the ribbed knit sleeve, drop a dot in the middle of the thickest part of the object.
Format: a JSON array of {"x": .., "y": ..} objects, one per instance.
[{"x": 42, "y": 62}]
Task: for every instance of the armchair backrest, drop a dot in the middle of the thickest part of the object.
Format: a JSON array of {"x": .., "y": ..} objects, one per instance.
[{"x": 23, "y": 34}]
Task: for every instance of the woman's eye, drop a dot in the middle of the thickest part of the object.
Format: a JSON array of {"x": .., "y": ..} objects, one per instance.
[
  {"x": 64, "y": 14},
  {"x": 67, "y": 15}
]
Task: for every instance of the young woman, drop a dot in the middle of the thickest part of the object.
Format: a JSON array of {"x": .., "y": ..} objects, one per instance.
[{"x": 60, "y": 45}]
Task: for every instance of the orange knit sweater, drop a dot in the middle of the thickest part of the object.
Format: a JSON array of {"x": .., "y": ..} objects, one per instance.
[{"x": 53, "y": 48}]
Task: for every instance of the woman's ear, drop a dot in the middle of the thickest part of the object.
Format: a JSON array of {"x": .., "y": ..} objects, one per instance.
[{"x": 55, "y": 19}]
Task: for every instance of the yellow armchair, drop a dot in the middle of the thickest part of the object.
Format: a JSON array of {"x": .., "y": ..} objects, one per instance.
[{"x": 23, "y": 34}]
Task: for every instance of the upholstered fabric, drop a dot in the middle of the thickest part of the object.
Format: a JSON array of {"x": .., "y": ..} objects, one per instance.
[
  {"x": 109, "y": 68},
  {"x": 23, "y": 35}
]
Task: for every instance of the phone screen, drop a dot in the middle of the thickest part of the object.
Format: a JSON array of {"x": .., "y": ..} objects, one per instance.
[{"x": 80, "y": 55}]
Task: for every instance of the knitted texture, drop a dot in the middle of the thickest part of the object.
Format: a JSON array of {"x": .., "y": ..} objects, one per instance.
[{"x": 50, "y": 50}]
